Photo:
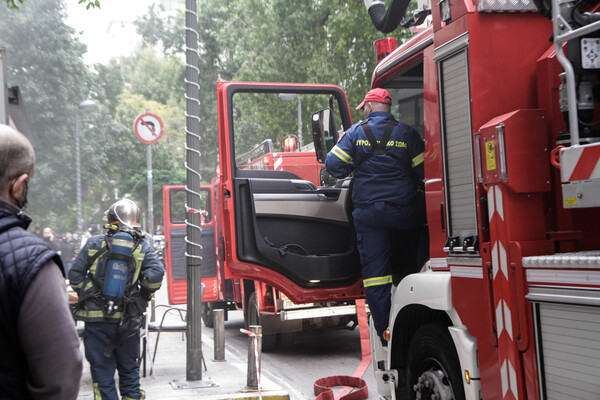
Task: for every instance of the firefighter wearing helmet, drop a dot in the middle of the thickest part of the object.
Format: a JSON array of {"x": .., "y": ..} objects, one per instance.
[
  {"x": 115, "y": 275},
  {"x": 124, "y": 213}
]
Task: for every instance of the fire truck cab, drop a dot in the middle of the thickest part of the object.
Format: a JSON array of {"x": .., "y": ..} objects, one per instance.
[
  {"x": 277, "y": 244},
  {"x": 288, "y": 232}
]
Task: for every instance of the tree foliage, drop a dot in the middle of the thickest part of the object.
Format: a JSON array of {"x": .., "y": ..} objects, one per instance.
[
  {"x": 318, "y": 41},
  {"x": 325, "y": 41},
  {"x": 15, "y": 4},
  {"x": 45, "y": 61}
]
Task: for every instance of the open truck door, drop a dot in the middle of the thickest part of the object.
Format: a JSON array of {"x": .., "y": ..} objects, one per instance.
[
  {"x": 283, "y": 230},
  {"x": 174, "y": 199}
]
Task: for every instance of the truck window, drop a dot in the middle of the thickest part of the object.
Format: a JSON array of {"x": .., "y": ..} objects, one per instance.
[
  {"x": 406, "y": 89},
  {"x": 272, "y": 132},
  {"x": 408, "y": 107}
]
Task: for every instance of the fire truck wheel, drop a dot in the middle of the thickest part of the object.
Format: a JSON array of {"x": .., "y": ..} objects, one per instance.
[
  {"x": 286, "y": 339},
  {"x": 269, "y": 340},
  {"x": 207, "y": 314},
  {"x": 433, "y": 368}
]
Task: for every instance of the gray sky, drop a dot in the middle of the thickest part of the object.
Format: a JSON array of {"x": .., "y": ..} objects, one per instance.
[{"x": 108, "y": 32}]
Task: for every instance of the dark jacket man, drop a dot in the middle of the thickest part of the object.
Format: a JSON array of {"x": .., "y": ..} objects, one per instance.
[{"x": 39, "y": 346}]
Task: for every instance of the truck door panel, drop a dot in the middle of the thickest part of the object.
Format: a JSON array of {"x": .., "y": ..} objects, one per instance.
[
  {"x": 175, "y": 232},
  {"x": 286, "y": 227},
  {"x": 296, "y": 232}
]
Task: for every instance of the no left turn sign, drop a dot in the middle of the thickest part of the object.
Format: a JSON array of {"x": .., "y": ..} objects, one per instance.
[{"x": 148, "y": 128}]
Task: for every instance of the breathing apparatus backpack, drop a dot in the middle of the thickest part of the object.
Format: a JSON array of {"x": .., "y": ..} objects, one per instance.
[
  {"x": 119, "y": 259},
  {"x": 116, "y": 268}
]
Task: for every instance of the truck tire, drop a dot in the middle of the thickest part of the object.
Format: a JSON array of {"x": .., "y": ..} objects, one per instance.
[
  {"x": 269, "y": 340},
  {"x": 286, "y": 339},
  {"x": 207, "y": 314},
  {"x": 433, "y": 367}
]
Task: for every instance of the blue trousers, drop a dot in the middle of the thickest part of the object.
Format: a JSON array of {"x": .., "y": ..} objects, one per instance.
[
  {"x": 387, "y": 239},
  {"x": 124, "y": 359}
]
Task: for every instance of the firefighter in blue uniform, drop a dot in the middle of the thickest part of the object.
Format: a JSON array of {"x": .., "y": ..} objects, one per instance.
[
  {"x": 386, "y": 157},
  {"x": 112, "y": 322}
]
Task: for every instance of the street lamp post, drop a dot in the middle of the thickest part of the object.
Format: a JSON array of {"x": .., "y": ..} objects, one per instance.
[
  {"x": 289, "y": 97},
  {"x": 84, "y": 105}
]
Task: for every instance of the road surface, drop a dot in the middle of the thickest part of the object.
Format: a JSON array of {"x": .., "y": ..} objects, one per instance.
[{"x": 314, "y": 355}]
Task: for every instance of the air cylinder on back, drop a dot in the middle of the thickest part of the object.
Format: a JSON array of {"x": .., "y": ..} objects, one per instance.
[{"x": 117, "y": 266}]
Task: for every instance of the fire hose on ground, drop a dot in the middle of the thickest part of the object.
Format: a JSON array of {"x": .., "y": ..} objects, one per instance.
[{"x": 354, "y": 387}]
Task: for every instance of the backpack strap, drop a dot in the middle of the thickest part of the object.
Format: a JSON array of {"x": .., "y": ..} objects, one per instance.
[
  {"x": 378, "y": 148},
  {"x": 132, "y": 259},
  {"x": 367, "y": 129}
]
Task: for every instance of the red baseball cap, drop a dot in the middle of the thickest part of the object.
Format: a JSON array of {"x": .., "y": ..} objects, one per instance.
[{"x": 378, "y": 95}]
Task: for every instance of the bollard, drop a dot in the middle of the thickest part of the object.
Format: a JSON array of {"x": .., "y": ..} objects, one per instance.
[
  {"x": 219, "y": 334},
  {"x": 254, "y": 351}
]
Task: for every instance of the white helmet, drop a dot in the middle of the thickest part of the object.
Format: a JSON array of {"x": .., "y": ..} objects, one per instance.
[{"x": 124, "y": 213}]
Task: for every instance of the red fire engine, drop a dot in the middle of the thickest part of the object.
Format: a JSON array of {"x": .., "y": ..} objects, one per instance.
[
  {"x": 508, "y": 306},
  {"x": 506, "y": 96},
  {"x": 261, "y": 303}
]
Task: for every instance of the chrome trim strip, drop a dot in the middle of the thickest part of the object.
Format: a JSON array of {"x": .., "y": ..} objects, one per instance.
[
  {"x": 562, "y": 277},
  {"x": 569, "y": 296},
  {"x": 438, "y": 263},
  {"x": 471, "y": 261},
  {"x": 448, "y": 48},
  {"x": 581, "y": 259}
]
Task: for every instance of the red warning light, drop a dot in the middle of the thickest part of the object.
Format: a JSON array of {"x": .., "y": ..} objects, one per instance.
[
  {"x": 383, "y": 47},
  {"x": 290, "y": 143}
]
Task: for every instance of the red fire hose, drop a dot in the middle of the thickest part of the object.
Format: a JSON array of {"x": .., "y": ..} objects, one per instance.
[{"x": 355, "y": 388}]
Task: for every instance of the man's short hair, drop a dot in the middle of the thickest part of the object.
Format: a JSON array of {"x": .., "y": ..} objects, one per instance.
[{"x": 16, "y": 155}]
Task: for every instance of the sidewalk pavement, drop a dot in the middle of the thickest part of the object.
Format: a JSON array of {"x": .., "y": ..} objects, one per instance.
[{"x": 221, "y": 380}]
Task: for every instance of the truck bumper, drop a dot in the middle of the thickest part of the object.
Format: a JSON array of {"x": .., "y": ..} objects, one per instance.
[{"x": 317, "y": 312}]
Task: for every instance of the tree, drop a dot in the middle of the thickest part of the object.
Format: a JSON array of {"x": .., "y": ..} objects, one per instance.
[
  {"x": 15, "y": 4},
  {"x": 168, "y": 154},
  {"x": 328, "y": 41},
  {"x": 325, "y": 41},
  {"x": 157, "y": 78},
  {"x": 164, "y": 32},
  {"x": 45, "y": 59}
]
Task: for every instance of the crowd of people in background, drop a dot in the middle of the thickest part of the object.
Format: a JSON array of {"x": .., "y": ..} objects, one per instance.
[{"x": 66, "y": 244}]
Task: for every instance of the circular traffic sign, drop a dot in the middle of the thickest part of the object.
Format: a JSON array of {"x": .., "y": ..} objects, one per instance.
[{"x": 148, "y": 128}]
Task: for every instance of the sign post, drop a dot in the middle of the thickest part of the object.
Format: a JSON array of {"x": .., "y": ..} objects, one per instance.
[{"x": 149, "y": 129}]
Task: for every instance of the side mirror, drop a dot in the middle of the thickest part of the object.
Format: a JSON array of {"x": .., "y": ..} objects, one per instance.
[{"x": 325, "y": 134}]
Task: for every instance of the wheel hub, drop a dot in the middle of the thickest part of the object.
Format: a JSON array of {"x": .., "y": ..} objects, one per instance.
[{"x": 431, "y": 386}]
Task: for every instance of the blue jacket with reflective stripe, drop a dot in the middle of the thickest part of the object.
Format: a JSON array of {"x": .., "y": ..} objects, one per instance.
[{"x": 391, "y": 177}]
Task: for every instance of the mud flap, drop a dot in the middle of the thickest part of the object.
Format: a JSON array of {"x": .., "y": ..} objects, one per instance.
[{"x": 386, "y": 380}]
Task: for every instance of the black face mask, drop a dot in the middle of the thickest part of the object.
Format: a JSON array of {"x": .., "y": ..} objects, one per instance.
[{"x": 22, "y": 200}]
